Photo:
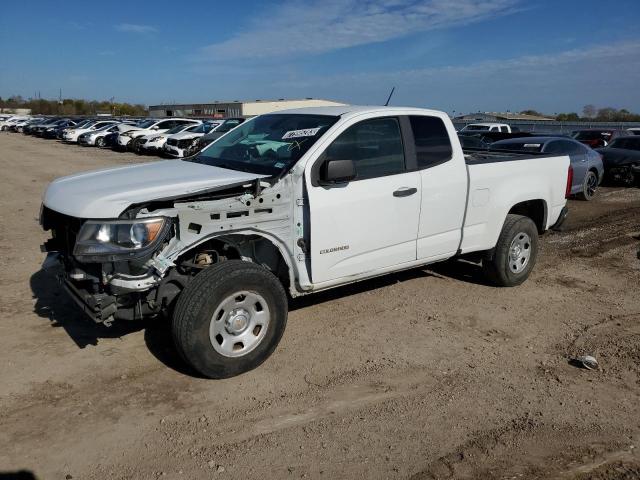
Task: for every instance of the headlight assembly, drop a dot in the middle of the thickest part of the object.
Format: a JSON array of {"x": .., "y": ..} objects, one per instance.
[{"x": 119, "y": 239}]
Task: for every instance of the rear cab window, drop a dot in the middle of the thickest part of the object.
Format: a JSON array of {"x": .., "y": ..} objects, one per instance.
[{"x": 432, "y": 142}]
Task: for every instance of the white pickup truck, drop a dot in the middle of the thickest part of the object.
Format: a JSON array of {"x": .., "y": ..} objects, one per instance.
[
  {"x": 299, "y": 201},
  {"x": 488, "y": 127}
]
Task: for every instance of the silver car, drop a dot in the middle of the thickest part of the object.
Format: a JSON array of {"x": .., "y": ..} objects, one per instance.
[{"x": 588, "y": 170}]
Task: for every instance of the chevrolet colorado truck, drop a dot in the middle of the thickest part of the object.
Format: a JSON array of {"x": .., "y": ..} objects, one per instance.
[{"x": 297, "y": 201}]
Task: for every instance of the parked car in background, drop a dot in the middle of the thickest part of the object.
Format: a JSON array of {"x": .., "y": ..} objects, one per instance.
[
  {"x": 588, "y": 170},
  {"x": 471, "y": 141},
  {"x": 38, "y": 130},
  {"x": 152, "y": 125},
  {"x": 154, "y": 142},
  {"x": 621, "y": 159},
  {"x": 598, "y": 137},
  {"x": 33, "y": 127},
  {"x": 4, "y": 118},
  {"x": 635, "y": 130},
  {"x": 52, "y": 132},
  {"x": 20, "y": 125},
  {"x": 80, "y": 123},
  {"x": 71, "y": 136},
  {"x": 489, "y": 127},
  {"x": 226, "y": 126},
  {"x": 97, "y": 137},
  {"x": 178, "y": 143},
  {"x": 11, "y": 121}
]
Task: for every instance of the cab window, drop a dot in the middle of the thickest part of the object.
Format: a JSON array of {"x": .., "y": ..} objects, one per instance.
[{"x": 375, "y": 146}]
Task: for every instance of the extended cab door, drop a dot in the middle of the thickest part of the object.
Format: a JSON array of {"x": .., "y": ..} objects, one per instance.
[
  {"x": 443, "y": 179},
  {"x": 370, "y": 222}
]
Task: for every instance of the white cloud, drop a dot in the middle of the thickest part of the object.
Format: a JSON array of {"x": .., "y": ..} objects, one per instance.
[
  {"x": 603, "y": 74},
  {"x": 304, "y": 28},
  {"x": 135, "y": 28}
]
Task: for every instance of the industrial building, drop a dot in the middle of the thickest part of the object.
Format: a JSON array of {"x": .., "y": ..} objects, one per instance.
[
  {"x": 501, "y": 117},
  {"x": 235, "y": 108}
]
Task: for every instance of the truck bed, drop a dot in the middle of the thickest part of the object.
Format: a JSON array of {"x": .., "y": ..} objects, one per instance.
[{"x": 476, "y": 156}]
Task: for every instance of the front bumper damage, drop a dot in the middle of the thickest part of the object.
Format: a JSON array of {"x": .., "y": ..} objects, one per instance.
[{"x": 122, "y": 298}]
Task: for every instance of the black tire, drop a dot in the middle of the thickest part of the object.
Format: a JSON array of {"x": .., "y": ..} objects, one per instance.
[
  {"x": 589, "y": 186},
  {"x": 205, "y": 295},
  {"x": 100, "y": 142},
  {"x": 498, "y": 265}
]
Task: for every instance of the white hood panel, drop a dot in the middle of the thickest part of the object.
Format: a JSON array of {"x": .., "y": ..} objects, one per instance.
[{"x": 108, "y": 192}]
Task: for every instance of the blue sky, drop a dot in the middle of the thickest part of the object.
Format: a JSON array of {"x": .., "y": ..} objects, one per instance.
[{"x": 453, "y": 55}]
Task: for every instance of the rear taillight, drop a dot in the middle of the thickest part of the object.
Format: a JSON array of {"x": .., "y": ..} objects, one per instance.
[{"x": 567, "y": 193}]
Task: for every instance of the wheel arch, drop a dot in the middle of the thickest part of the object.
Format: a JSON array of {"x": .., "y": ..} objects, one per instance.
[
  {"x": 246, "y": 243},
  {"x": 535, "y": 209}
]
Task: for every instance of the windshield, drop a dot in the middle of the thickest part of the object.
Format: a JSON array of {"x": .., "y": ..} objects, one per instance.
[
  {"x": 626, "y": 143},
  {"x": 176, "y": 129},
  {"x": 202, "y": 128},
  {"x": 476, "y": 128},
  {"x": 104, "y": 127},
  {"x": 147, "y": 123},
  {"x": 227, "y": 125},
  {"x": 268, "y": 144},
  {"x": 592, "y": 135}
]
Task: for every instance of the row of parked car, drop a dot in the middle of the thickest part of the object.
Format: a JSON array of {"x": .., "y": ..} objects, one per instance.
[
  {"x": 595, "y": 154},
  {"x": 169, "y": 137}
]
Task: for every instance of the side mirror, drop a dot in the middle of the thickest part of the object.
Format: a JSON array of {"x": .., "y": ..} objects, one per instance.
[
  {"x": 337, "y": 171},
  {"x": 155, "y": 127}
]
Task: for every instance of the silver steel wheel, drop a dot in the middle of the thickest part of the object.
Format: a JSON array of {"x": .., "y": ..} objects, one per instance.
[
  {"x": 519, "y": 252},
  {"x": 592, "y": 185},
  {"x": 239, "y": 324}
]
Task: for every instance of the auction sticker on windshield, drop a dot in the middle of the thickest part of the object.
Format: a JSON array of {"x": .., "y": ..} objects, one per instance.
[{"x": 307, "y": 132}]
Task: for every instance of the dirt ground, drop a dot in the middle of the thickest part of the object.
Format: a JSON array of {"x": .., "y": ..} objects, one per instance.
[{"x": 426, "y": 374}]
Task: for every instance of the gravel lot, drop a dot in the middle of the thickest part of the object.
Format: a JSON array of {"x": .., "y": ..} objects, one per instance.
[{"x": 425, "y": 374}]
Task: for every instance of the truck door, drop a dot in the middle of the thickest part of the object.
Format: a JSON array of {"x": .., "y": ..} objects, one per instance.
[
  {"x": 443, "y": 177},
  {"x": 370, "y": 222}
]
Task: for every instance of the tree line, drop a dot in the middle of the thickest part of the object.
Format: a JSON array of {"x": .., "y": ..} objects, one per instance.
[
  {"x": 72, "y": 106},
  {"x": 591, "y": 113}
]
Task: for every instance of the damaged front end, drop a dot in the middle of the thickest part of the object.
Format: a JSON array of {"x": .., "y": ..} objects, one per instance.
[
  {"x": 136, "y": 266},
  {"x": 105, "y": 265}
]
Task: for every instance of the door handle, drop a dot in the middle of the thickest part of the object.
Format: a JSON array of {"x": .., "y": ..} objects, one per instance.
[{"x": 404, "y": 192}]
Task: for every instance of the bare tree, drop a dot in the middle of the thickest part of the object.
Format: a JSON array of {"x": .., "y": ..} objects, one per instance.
[{"x": 589, "y": 111}]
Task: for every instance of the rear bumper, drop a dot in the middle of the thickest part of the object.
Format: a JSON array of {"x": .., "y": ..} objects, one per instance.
[{"x": 564, "y": 213}]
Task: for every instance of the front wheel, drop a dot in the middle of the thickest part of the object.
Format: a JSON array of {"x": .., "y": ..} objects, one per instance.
[
  {"x": 511, "y": 261},
  {"x": 100, "y": 142},
  {"x": 229, "y": 318},
  {"x": 589, "y": 186}
]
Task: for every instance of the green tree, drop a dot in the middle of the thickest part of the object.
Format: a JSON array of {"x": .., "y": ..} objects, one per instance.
[
  {"x": 568, "y": 117},
  {"x": 532, "y": 112}
]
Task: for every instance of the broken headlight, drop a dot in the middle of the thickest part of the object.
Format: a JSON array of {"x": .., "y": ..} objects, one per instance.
[{"x": 119, "y": 239}]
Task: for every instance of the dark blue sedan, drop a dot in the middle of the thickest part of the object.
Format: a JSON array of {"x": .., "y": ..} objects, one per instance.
[{"x": 587, "y": 163}]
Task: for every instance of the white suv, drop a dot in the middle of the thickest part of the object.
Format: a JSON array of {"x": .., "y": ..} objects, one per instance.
[
  {"x": 153, "y": 125},
  {"x": 155, "y": 141},
  {"x": 72, "y": 135}
]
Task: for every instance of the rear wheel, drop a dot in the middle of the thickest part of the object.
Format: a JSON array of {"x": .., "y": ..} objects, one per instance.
[
  {"x": 100, "y": 142},
  {"x": 589, "y": 186},
  {"x": 511, "y": 261},
  {"x": 230, "y": 318}
]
